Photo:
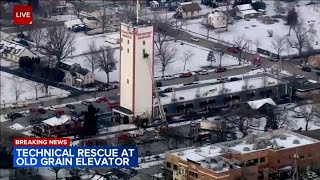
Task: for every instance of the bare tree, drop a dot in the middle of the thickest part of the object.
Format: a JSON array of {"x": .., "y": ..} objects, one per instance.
[
  {"x": 91, "y": 57},
  {"x": 292, "y": 18},
  {"x": 129, "y": 11},
  {"x": 270, "y": 33},
  {"x": 172, "y": 137},
  {"x": 106, "y": 61},
  {"x": 257, "y": 43},
  {"x": 241, "y": 43},
  {"x": 103, "y": 17},
  {"x": 227, "y": 11},
  {"x": 37, "y": 35},
  {"x": 278, "y": 8},
  {"x": 36, "y": 87},
  {"x": 17, "y": 89},
  {"x": 309, "y": 113},
  {"x": 278, "y": 44},
  {"x": 303, "y": 37},
  {"x": 79, "y": 6},
  {"x": 165, "y": 56},
  {"x": 162, "y": 31},
  {"x": 187, "y": 55},
  {"x": 46, "y": 8},
  {"x": 56, "y": 171},
  {"x": 59, "y": 42}
]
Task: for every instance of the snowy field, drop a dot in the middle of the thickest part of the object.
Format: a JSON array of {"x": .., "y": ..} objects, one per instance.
[
  {"x": 196, "y": 62},
  {"x": 11, "y": 84},
  {"x": 257, "y": 31}
]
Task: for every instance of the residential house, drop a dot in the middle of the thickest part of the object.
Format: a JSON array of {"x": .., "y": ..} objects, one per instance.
[
  {"x": 217, "y": 19},
  {"x": 57, "y": 7},
  {"x": 91, "y": 22},
  {"x": 246, "y": 11},
  {"x": 75, "y": 75},
  {"x": 112, "y": 20},
  {"x": 188, "y": 10},
  {"x": 164, "y": 4},
  {"x": 14, "y": 51}
]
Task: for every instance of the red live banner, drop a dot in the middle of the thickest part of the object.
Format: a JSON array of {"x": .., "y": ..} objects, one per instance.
[{"x": 41, "y": 142}]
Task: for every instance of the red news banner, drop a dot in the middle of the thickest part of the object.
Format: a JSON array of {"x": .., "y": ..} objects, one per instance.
[{"x": 41, "y": 142}]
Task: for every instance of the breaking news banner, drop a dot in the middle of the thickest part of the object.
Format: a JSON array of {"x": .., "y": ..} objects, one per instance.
[{"x": 56, "y": 152}]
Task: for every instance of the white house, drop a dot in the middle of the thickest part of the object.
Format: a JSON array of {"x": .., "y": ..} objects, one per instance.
[
  {"x": 217, "y": 19},
  {"x": 13, "y": 51},
  {"x": 75, "y": 75},
  {"x": 91, "y": 22},
  {"x": 245, "y": 11},
  {"x": 70, "y": 23},
  {"x": 188, "y": 10}
]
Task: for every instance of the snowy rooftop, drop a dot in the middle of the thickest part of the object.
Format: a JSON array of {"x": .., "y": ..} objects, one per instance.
[
  {"x": 258, "y": 103},
  {"x": 73, "y": 22},
  {"x": 250, "y": 11},
  {"x": 55, "y": 121},
  {"x": 207, "y": 156},
  {"x": 220, "y": 88},
  {"x": 244, "y": 7},
  {"x": 11, "y": 47},
  {"x": 278, "y": 139}
]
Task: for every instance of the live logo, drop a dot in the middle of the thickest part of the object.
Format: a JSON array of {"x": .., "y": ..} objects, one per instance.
[{"x": 22, "y": 15}]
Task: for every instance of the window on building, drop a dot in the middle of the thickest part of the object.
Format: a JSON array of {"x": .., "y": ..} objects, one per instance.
[
  {"x": 256, "y": 161},
  {"x": 202, "y": 177},
  {"x": 168, "y": 164},
  {"x": 143, "y": 51},
  {"x": 196, "y": 175},
  {"x": 301, "y": 156},
  {"x": 127, "y": 81},
  {"x": 143, "y": 42},
  {"x": 128, "y": 50},
  {"x": 309, "y": 155},
  {"x": 128, "y": 41},
  {"x": 121, "y": 39},
  {"x": 175, "y": 167},
  {"x": 121, "y": 48},
  {"x": 262, "y": 159}
]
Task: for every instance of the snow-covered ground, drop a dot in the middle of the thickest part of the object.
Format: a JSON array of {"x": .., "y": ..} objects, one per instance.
[
  {"x": 11, "y": 84},
  {"x": 255, "y": 31},
  {"x": 196, "y": 62}
]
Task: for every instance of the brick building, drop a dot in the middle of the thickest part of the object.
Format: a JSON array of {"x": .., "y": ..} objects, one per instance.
[{"x": 274, "y": 154}]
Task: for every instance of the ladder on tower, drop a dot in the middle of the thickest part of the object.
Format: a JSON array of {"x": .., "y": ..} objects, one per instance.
[{"x": 156, "y": 92}]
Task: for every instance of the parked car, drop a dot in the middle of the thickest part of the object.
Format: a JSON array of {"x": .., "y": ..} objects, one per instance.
[
  {"x": 14, "y": 115},
  {"x": 17, "y": 105},
  {"x": 187, "y": 74},
  {"x": 159, "y": 83},
  {"x": 306, "y": 68},
  {"x": 298, "y": 116},
  {"x": 233, "y": 50},
  {"x": 169, "y": 89},
  {"x": 102, "y": 99},
  {"x": 311, "y": 175},
  {"x": 203, "y": 72},
  {"x": 299, "y": 76},
  {"x": 58, "y": 113},
  {"x": 86, "y": 103},
  {"x": 234, "y": 79},
  {"x": 42, "y": 110},
  {"x": 194, "y": 39},
  {"x": 220, "y": 69},
  {"x": 51, "y": 108},
  {"x": 113, "y": 104},
  {"x": 70, "y": 106},
  {"x": 168, "y": 77}
]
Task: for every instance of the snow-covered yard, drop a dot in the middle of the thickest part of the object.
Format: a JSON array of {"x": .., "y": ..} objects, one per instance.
[
  {"x": 196, "y": 62},
  {"x": 11, "y": 84},
  {"x": 256, "y": 31}
]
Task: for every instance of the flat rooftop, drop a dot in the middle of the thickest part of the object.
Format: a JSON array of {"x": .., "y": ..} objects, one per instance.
[
  {"x": 276, "y": 141},
  {"x": 215, "y": 89}
]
